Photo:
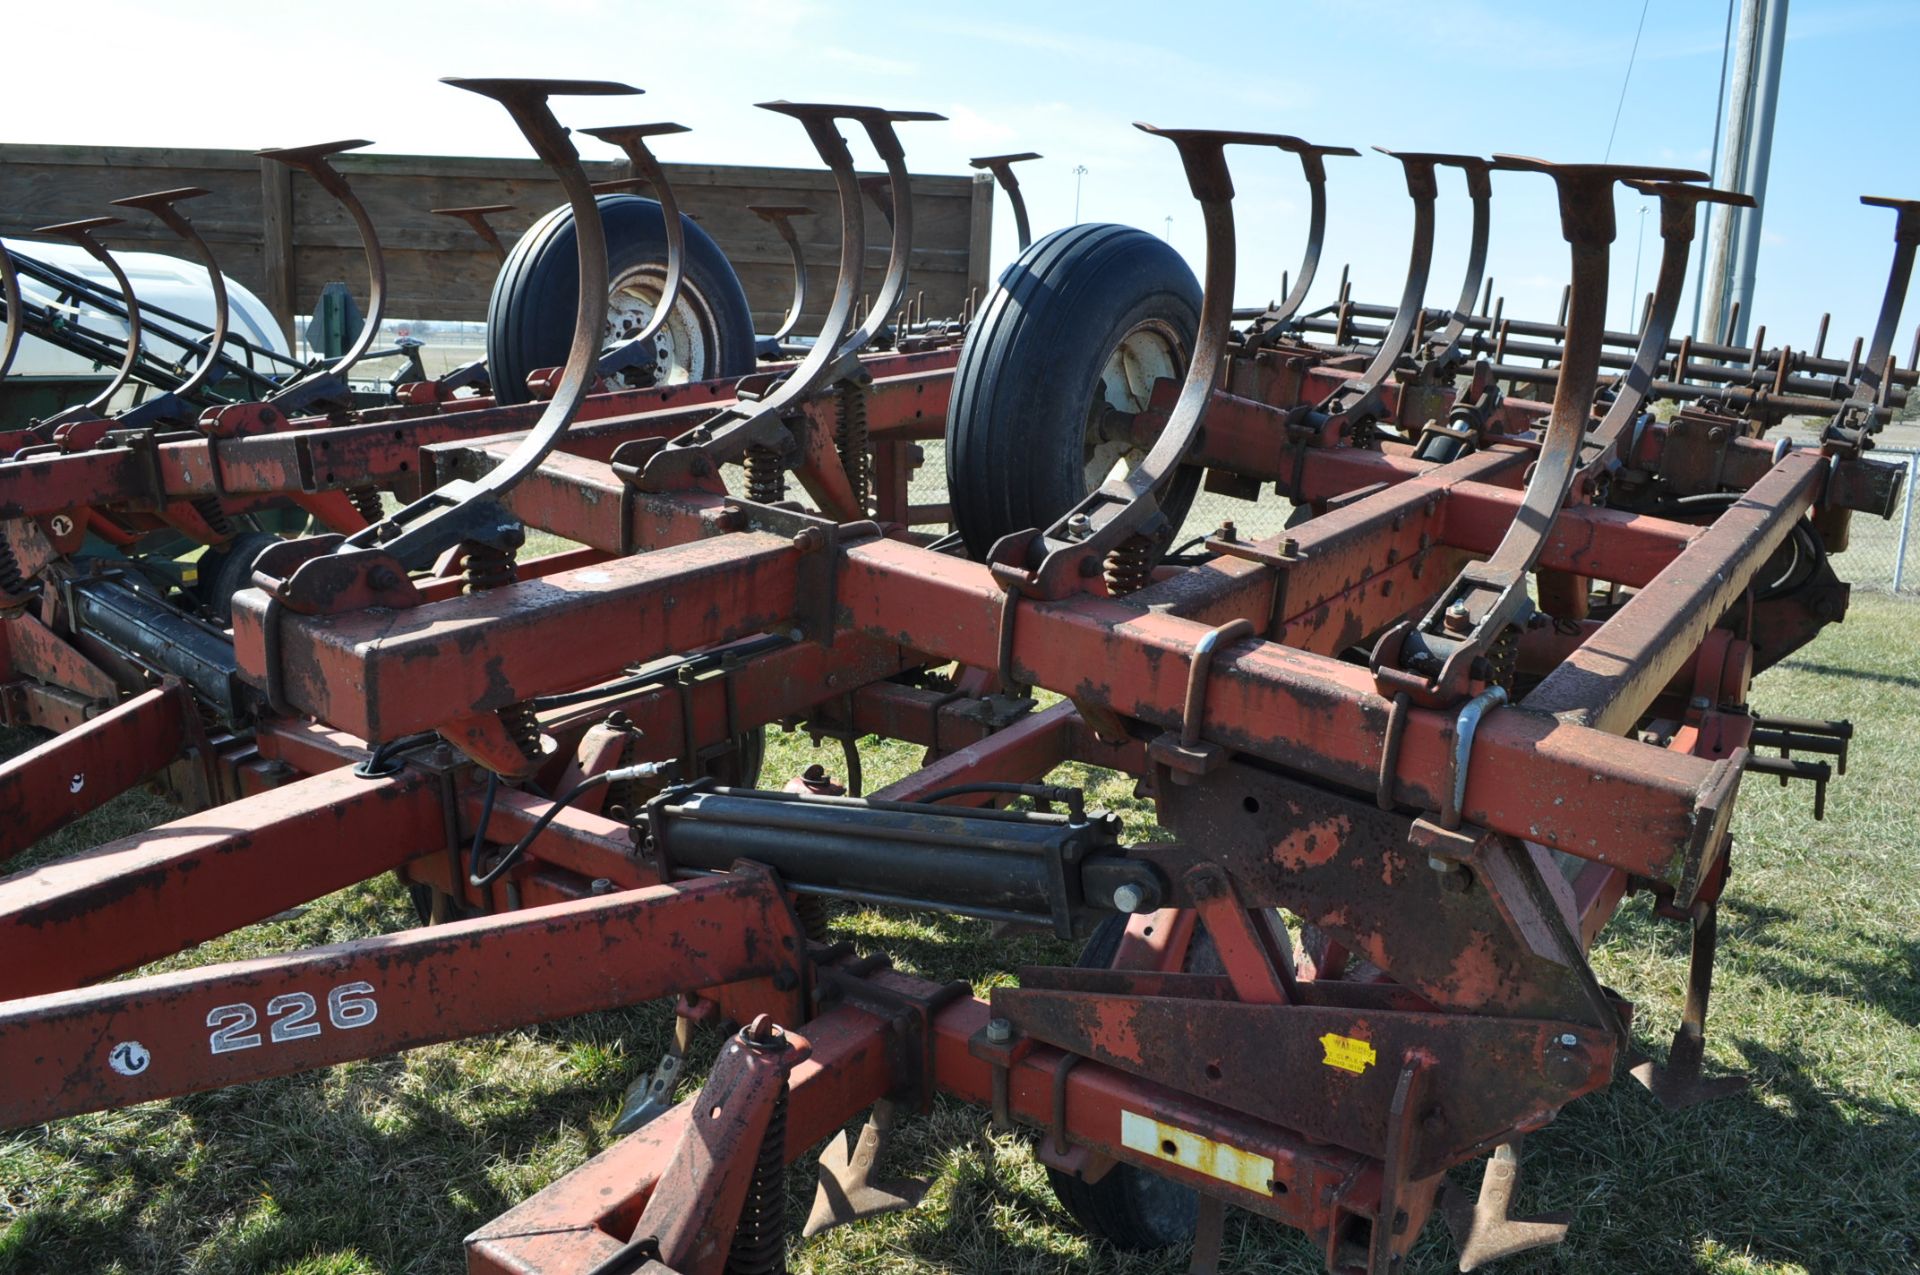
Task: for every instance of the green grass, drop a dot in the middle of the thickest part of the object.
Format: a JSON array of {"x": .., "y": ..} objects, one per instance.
[{"x": 385, "y": 1165}]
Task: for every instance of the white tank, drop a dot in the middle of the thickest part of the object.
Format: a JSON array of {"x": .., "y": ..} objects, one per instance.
[{"x": 171, "y": 283}]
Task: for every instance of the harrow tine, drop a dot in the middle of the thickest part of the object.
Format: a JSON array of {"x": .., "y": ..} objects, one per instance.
[
  {"x": 1116, "y": 520},
  {"x": 1267, "y": 327},
  {"x": 780, "y": 217},
  {"x": 632, "y": 138},
  {"x": 312, "y": 160},
  {"x": 879, "y": 129},
  {"x": 476, "y": 217},
  {"x": 1001, "y": 166},
  {"x": 1433, "y": 660},
  {"x": 161, "y": 203},
  {"x": 81, "y": 233}
]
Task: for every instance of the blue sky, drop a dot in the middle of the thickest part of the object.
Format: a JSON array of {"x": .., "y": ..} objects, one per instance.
[{"x": 1067, "y": 80}]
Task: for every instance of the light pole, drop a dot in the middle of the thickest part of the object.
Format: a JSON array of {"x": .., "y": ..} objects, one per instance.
[
  {"x": 1168, "y": 235},
  {"x": 1633, "y": 298},
  {"x": 1079, "y": 173}
]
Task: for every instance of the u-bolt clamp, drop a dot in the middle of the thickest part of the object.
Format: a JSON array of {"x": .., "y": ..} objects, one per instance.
[
  {"x": 1344, "y": 409},
  {"x": 369, "y": 567},
  {"x": 1267, "y": 328},
  {"x": 780, "y": 217},
  {"x": 475, "y": 215},
  {"x": 1472, "y": 626},
  {"x": 1061, "y": 560},
  {"x": 1678, "y": 202},
  {"x": 1001, "y": 166},
  {"x": 727, "y": 435},
  {"x": 81, "y": 233},
  {"x": 329, "y": 385},
  {"x": 637, "y": 351},
  {"x": 176, "y": 404},
  {"x": 1859, "y": 415}
]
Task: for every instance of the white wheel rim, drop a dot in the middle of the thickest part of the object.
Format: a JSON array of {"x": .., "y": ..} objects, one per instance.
[
  {"x": 1149, "y": 352},
  {"x": 683, "y": 347}
]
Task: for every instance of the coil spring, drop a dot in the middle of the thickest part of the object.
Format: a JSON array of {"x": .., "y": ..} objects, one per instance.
[
  {"x": 850, "y": 435},
  {"x": 488, "y": 568},
  {"x": 14, "y": 584},
  {"x": 366, "y": 500},
  {"x": 1129, "y": 566},
  {"x": 1503, "y": 656},
  {"x": 766, "y": 476},
  {"x": 811, "y": 910},
  {"x": 760, "y": 1245},
  {"x": 214, "y": 516}
]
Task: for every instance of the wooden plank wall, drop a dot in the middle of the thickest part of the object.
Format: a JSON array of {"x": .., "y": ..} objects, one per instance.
[{"x": 276, "y": 232}]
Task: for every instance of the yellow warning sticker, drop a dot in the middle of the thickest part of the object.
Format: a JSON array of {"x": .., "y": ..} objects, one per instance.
[{"x": 1348, "y": 1053}]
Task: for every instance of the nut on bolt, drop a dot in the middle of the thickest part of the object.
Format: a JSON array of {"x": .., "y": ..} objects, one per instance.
[
  {"x": 999, "y": 1031},
  {"x": 1128, "y": 898},
  {"x": 810, "y": 540}
]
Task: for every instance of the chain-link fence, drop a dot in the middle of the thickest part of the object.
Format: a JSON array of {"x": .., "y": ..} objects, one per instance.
[{"x": 1883, "y": 554}]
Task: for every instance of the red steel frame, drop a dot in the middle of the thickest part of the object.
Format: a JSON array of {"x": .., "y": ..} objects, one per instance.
[{"x": 1469, "y": 851}]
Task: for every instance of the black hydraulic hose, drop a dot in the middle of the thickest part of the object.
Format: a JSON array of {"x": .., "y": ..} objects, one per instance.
[{"x": 514, "y": 853}]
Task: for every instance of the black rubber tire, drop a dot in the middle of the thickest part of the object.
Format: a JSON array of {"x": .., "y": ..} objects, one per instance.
[
  {"x": 227, "y": 569},
  {"x": 530, "y": 314},
  {"x": 1129, "y": 1208},
  {"x": 1028, "y": 373}
]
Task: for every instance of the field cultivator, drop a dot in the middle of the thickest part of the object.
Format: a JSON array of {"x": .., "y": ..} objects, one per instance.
[{"x": 1412, "y": 751}]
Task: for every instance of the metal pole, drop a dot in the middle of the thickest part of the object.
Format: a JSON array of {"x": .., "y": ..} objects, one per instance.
[
  {"x": 1906, "y": 522},
  {"x": 1079, "y": 172},
  {"x": 1733, "y": 165},
  {"x": 1713, "y": 165},
  {"x": 1766, "y": 100}
]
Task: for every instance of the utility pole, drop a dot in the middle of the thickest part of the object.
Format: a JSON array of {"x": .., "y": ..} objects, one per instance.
[
  {"x": 1639, "y": 244},
  {"x": 1079, "y": 173},
  {"x": 1733, "y": 239},
  {"x": 1168, "y": 235}
]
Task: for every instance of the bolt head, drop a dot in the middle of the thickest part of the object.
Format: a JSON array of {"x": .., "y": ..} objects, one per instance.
[
  {"x": 1128, "y": 898},
  {"x": 999, "y": 1030},
  {"x": 1568, "y": 1040},
  {"x": 602, "y": 885}
]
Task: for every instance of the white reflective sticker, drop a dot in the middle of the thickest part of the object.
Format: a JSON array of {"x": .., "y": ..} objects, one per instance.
[{"x": 1189, "y": 1150}]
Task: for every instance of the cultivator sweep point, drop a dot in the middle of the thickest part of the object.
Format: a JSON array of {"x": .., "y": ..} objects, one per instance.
[{"x": 1411, "y": 751}]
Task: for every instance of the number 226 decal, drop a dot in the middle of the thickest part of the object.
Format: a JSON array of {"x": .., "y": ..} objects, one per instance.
[{"x": 290, "y": 1016}]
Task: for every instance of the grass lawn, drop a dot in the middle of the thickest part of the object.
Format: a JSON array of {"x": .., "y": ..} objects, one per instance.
[{"x": 385, "y": 1165}]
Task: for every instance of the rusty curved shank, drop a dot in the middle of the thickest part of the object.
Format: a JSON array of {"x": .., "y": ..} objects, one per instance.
[
  {"x": 312, "y": 160},
  {"x": 631, "y": 138},
  {"x": 419, "y": 533},
  {"x": 1434, "y": 661},
  {"x": 780, "y": 217},
  {"x": 10, "y": 294},
  {"x": 161, "y": 204},
  {"x": 1056, "y": 562},
  {"x": 1001, "y": 166},
  {"x": 81, "y": 233},
  {"x": 1267, "y": 329},
  {"x": 476, "y": 216}
]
